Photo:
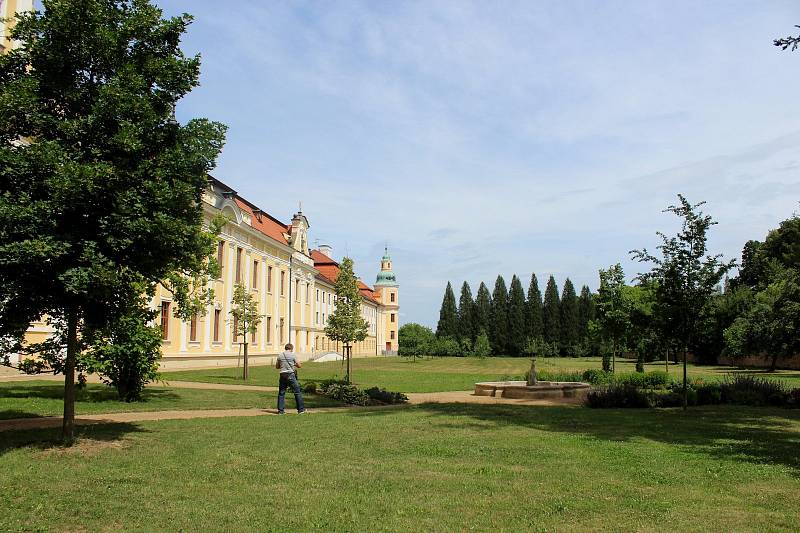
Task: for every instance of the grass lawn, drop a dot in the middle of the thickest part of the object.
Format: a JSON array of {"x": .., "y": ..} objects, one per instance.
[
  {"x": 21, "y": 399},
  {"x": 449, "y": 373},
  {"x": 432, "y": 467}
]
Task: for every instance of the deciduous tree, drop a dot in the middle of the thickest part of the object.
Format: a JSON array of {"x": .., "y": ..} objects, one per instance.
[
  {"x": 345, "y": 324},
  {"x": 100, "y": 187},
  {"x": 685, "y": 275},
  {"x": 246, "y": 318}
]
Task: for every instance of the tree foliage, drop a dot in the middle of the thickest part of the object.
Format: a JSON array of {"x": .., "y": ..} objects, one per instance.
[
  {"x": 448, "y": 315},
  {"x": 613, "y": 318},
  {"x": 483, "y": 308},
  {"x": 685, "y": 275},
  {"x": 787, "y": 42},
  {"x": 246, "y": 318},
  {"x": 498, "y": 318},
  {"x": 569, "y": 338},
  {"x": 126, "y": 351},
  {"x": 517, "y": 335},
  {"x": 415, "y": 340},
  {"x": 533, "y": 305},
  {"x": 551, "y": 313},
  {"x": 100, "y": 186},
  {"x": 466, "y": 314},
  {"x": 771, "y": 324},
  {"x": 345, "y": 323}
]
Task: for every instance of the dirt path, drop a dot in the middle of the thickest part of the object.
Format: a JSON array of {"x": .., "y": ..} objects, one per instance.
[{"x": 141, "y": 416}]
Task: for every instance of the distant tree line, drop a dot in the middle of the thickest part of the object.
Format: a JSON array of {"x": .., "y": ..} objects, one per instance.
[
  {"x": 685, "y": 304},
  {"x": 515, "y": 323}
]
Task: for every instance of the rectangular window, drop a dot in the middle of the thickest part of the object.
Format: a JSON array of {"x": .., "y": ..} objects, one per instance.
[
  {"x": 317, "y": 318},
  {"x": 391, "y": 296},
  {"x": 165, "y": 320},
  {"x": 254, "y": 335},
  {"x": 283, "y": 283},
  {"x": 255, "y": 275},
  {"x": 280, "y": 333},
  {"x": 317, "y": 294},
  {"x": 220, "y": 256},
  {"x": 391, "y": 334},
  {"x": 392, "y": 317},
  {"x": 238, "y": 265},
  {"x": 269, "y": 279},
  {"x": 193, "y": 328},
  {"x": 306, "y": 338},
  {"x": 308, "y": 293},
  {"x": 269, "y": 329},
  {"x": 323, "y": 319},
  {"x": 235, "y": 328},
  {"x": 297, "y": 290},
  {"x": 217, "y": 314}
]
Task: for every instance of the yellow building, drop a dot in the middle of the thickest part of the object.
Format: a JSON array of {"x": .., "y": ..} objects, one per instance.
[
  {"x": 293, "y": 285},
  {"x": 7, "y": 10}
]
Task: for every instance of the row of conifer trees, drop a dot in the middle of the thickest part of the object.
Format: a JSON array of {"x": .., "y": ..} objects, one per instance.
[{"x": 520, "y": 324}]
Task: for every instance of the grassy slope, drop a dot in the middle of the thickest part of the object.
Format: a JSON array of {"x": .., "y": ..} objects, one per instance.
[
  {"x": 43, "y": 398},
  {"x": 446, "y": 373},
  {"x": 437, "y": 467}
]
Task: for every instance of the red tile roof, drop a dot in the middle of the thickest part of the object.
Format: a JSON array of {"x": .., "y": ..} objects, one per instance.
[
  {"x": 329, "y": 271},
  {"x": 266, "y": 224}
]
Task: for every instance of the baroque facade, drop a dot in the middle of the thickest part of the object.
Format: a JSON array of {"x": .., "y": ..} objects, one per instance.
[
  {"x": 8, "y": 8},
  {"x": 293, "y": 285}
]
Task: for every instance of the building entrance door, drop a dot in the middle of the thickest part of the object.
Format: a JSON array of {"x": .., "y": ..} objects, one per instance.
[{"x": 388, "y": 346}]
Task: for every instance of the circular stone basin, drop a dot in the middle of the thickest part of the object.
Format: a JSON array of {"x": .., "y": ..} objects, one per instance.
[{"x": 542, "y": 389}]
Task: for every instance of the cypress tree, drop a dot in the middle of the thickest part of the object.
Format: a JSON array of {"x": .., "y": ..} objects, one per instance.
[
  {"x": 466, "y": 314},
  {"x": 585, "y": 312},
  {"x": 498, "y": 318},
  {"x": 534, "y": 309},
  {"x": 448, "y": 316},
  {"x": 551, "y": 315},
  {"x": 569, "y": 319},
  {"x": 483, "y": 310},
  {"x": 516, "y": 318}
]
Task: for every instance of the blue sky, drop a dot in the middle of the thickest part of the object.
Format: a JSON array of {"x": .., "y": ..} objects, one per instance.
[{"x": 502, "y": 137}]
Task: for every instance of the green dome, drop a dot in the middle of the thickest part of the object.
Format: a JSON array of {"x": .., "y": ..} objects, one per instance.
[{"x": 386, "y": 277}]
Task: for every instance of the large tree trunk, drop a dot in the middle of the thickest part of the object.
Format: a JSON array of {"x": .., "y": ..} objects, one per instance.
[
  {"x": 68, "y": 426},
  {"x": 246, "y": 372}
]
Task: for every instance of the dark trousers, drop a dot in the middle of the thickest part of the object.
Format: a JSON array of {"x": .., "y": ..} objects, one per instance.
[{"x": 288, "y": 379}]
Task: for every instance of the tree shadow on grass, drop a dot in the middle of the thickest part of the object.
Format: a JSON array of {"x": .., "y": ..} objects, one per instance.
[
  {"x": 746, "y": 434},
  {"x": 88, "y": 438},
  {"x": 90, "y": 394}
]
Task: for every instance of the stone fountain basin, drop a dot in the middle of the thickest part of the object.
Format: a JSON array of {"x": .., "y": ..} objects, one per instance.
[{"x": 542, "y": 389}]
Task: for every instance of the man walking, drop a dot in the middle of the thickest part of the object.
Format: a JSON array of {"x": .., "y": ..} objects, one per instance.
[{"x": 287, "y": 364}]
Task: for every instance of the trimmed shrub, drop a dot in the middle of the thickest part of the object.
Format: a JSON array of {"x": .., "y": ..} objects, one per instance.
[
  {"x": 618, "y": 395},
  {"x": 709, "y": 394},
  {"x": 310, "y": 387},
  {"x": 596, "y": 376},
  {"x": 557, "y": 375},
  {"x": 345, "y": 393},
  {"x": 745, "y": 389},
  {"x": 386, "y": 397}
]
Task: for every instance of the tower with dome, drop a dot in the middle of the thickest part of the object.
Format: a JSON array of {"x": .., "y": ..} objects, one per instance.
[{"x": 386, "y": 289}]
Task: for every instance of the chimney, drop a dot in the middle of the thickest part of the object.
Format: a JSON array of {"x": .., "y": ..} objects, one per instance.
[{"x": 326, "y": 250}]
